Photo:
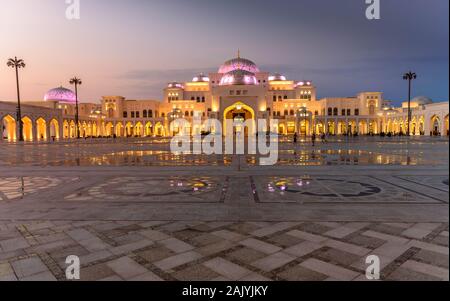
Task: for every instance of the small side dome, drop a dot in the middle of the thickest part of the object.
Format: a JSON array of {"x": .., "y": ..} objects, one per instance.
[
  {"x": 304, "y": 83},
  {"x": 175, "y": 85},
  {"x": 422, "y": 100},
  {"x": 200, "y": 78},
  {"x": 61, "y": 95},
  {"x": 277, "y": 77}
]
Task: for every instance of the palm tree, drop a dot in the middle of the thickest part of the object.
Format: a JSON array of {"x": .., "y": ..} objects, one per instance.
[
  {"x": 409, "y": 76},
  {"x": 17, "y": 64},
  {"x": 76, "y": 81}
]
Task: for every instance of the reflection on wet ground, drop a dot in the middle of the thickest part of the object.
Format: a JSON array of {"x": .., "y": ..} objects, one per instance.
[
  {"x": 147, "y": 158},
  {"x": 156, "y": 152},
  {"x": 320, "y": 157}
]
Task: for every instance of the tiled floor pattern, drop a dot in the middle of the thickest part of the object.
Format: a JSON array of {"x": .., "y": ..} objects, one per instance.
[
  {"x": 214, "y": 189},
  {"x": 152, "y": 250},
  {"x": 155, "y": 189},
  {"x": 18, "y": 187}
]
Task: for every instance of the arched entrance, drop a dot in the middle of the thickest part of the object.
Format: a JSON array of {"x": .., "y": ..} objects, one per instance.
[
  {"x": 9, "y": 128},
  {"x": 138, "y": 129},
  {"x": 304, "y": 128},
  {"x": 109, "y": 129},
  {"x": 320, "y": 128},
  {"x": 129, "y": 129},
  {"x": 239, "y": 113},
  {"x": 435, "y": 126},
  {"x": 54, "y": 129},
  {"x": 27, "y": 128},
  {"x": 148, "y": 129},
  {"x": 331, "y": 128},
  {"x": 72, "y": 129},
  {"x": 119, "y": 129},
  {"x": 41, "y": 129},
  {"x": 159, "y": 130}
]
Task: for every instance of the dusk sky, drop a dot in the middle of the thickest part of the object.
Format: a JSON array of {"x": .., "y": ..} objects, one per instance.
[{"x": 134, "y": 48}]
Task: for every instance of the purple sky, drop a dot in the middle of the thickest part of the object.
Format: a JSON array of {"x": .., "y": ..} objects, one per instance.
[{"x": 134, "y": 47}]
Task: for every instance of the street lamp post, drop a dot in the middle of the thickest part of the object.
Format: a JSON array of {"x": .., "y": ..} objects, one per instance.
[
  {"x": 409, "y": 76},
  {"x": 304, "y": 114},
  {"x": 17, "y": 64},
  {"x": 76, "y": 81}
]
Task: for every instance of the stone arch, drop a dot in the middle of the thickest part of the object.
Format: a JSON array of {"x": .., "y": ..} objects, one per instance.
[
  {"x": 109, "y": 129},
  {"x": 9, "y": 126},
  {"x": 320, "y": 129},
  {"x": 27, "y": 128},
  {"x": 240, "y": 108},
  {"x": 148, "y": 132},
  {"x": 435, "y": 125},
  {"x": 129, "y": 129},
  {"x": 119, "y": 129},
  {"x": 138, "y": 129},
  {"x": 41, "y": 129},
  {"x": 159, "y": 130},
  {"x": 54, "y": 129},
  {"x": 331, "y": 128},
  {"x": 72, "y": 129}
]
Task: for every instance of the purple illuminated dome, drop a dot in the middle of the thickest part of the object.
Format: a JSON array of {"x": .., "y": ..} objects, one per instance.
[
  {"x": 60, "y": 94},
  {"x": 200, "y": 78},
  {"x": 238, "y": 64},
  {"x": 277, "y": 77},
  {"x": 238, "y": 77}
]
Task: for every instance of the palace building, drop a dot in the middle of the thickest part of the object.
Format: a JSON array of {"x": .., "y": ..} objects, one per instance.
[{"x": 239, "y": 90}]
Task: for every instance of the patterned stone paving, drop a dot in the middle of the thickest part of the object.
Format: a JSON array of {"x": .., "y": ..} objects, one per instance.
[
  {"x": 366, "y": 189},
  {"x": 18, "y": 187},
  {"x": 132, "y": 211},
  {"x": 155, "y": 189},
  {"x": 157, "y": 250}
]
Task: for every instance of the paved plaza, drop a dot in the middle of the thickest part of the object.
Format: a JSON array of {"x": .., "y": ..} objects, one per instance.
[{"x": 132, "y": 210}]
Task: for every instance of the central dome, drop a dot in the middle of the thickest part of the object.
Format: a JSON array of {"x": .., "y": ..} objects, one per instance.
[
  {"x": 239, "y": 64},
  {"x": 60, "y": 94},
  {"x": 238, "y": 77}
]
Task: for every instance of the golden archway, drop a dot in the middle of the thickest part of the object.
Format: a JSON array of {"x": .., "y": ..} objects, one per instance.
[
  {"x": 9, "y": 128},
  {"x": 41, "y": 129},
  {"x": 159, "y": 130},
  {"x": 148, "y": 129},
  {"x": 238, "y": 110},
  {"x": 119, "y": 129},
  {"x": 27, "y": 128},
  {"x": 54, "y": 129}
]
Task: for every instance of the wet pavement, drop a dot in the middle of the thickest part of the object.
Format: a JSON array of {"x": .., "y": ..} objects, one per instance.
[{"x": 314, "y": 215}]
